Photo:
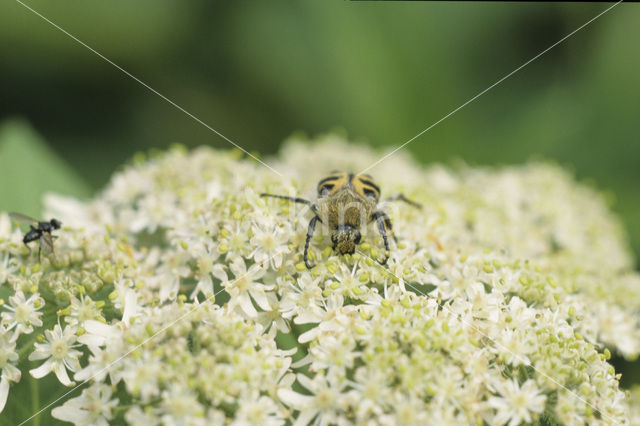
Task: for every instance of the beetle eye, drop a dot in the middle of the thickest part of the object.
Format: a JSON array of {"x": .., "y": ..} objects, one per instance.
[{"x": 358, "y": 237}]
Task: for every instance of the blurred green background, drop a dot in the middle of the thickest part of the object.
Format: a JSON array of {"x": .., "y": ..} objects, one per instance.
[{"x": 260, "y": 71}]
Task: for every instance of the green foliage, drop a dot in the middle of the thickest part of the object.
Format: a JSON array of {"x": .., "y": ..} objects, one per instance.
[{"x": 30, "y": 168}]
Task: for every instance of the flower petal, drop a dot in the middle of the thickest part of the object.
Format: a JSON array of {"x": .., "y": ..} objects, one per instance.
[
  {"x": 61, "y": 374},
  {"x": 43, "y": 370},
  {"x": 130, "y": 306},
  {"x": 4, "y": 393},
  {"x": 11, "y": 373},
  {"x": 294, "y": 399},
  {"x": 219, "y": 272},
  {"x": 244, "y": 301},
  {"x": 70, "y": 412},
  {"x": 261, "y": 299}
]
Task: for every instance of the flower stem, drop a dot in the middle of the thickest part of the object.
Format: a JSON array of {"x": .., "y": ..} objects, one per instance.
[{"x": 35, "y": 399}]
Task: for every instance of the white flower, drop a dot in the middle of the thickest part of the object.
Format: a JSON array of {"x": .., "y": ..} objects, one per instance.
[
  {"x": 98, "y": 334},
  {"x": 514, "y": 345},
  {"x": 10, "y": 239},
  {"x": 107, "y": 346},
  {"x": 180, "y": 406},
  {"x": 258, "y": 410},
  {"x": 516, "y": 403},
  {"x": 334, "y": 352},
  {"x": 8, "y": 266},
  {"x": 23, "y": 313},
  {"x": 243, "y": 288},
  {"x": 136, "y": 416},
  {"x": 271, "y": 244},
  {"x": 349, "y": 283},
  {"x": 302, "y": 298},
  {"x": 206, "y": 271},
  {"x": 141, "y": 376},
  {"x": 327, "y": 400},
  {"x": 59, "y": 354},
  {"x": 82, "y": 309},
  {"x": 371, "y": 392},
  {"x": 93, "y": 407},
  {"x": 332, "y": 317},
  {"x": 273, "y": 315},
  {"x": 8, "y": 359},
  {"x": 171, "y": 269},
  {"x": 408, "y": 411}
]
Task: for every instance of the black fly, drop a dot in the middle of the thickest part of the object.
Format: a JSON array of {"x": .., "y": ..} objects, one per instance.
[{"x": 39, "y": 231}]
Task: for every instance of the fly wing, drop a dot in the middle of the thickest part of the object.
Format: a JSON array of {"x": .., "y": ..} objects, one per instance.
[
  {"x": 46, "y": 243},
  {"x": 23, "y": 218}
]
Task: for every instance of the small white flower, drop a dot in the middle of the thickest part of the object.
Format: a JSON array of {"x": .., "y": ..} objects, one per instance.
[
  {"x": 171, "y": 269},
  {"x": 271, "y": 244},
  {"x": 180, "y": 406},
  {"x": 333, "y": 315},
  {"x": 258, "y": 410},
  {"x": 59, "y": 354},
  {"x": 23, "y": 313},
  {"x": 304, "y": 297},
  {"x": 136, "y": 416},
  {"x": 107, "y": 345},
  {"x": 82, "y": 309},
  {"x": 332, "y": 352},
  {"x": 8, "y": 266},
  {"x": 8, "y": 359},
  {"x": 243, "y": 288},
  {"x": 93, "y": 407},
  {"x": 371, "y": 391},
  {"x": 324, "y": 402},
  {"x": 514, "y": 346},
  {"x": 10, "y": 239},
  {"x": 273, "y": 316},
  {"x": 349, "y": 284},
  {"x": 141, "y": 376},
  {"x": 98, "y": 334},
  {"x": 516, "y": 403},
  {"x": 206, "y": 271}
]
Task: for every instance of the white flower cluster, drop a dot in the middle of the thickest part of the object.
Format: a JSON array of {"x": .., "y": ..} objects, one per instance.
[{"x": 182, "y": 297}]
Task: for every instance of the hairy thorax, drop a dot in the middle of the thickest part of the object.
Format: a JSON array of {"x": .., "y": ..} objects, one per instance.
[{"x": 346, "y": 207}]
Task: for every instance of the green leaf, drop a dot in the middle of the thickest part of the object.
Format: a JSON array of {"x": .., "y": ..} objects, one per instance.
[{"x": 30, "y": 168}]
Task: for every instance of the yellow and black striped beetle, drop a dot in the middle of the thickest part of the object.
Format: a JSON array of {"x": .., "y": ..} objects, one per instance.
[{"x": 346, "y": 202}]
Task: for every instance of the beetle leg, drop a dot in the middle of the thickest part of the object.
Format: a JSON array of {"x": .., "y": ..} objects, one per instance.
[
  {"x": 382, "y": 219},
  {"x": 312, "y": 225}
]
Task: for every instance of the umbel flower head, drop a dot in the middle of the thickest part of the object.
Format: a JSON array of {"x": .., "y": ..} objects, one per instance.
[{"x": 182, "y": 297}]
